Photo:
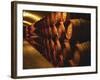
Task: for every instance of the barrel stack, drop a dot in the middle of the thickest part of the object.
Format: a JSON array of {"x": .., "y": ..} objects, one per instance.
[{"x": 56, "y": 37}]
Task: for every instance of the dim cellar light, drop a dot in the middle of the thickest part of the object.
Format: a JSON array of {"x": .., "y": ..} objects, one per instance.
[
  {"x": 28, "y": 23},
  {"x": 32, "y": 16}
]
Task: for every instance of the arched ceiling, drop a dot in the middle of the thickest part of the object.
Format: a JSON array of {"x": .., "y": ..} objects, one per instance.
[{"x": 30, "y": 17}]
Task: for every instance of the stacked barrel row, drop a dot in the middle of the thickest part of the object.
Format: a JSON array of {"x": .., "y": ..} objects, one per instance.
[{"x": 55, "y": 36}]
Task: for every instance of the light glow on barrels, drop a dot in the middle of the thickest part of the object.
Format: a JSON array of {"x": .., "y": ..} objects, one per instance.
[
  {"x": 32, "y": 16},
  {"x": 69, "y": 31},
  {"x": 28, "y": 23}
]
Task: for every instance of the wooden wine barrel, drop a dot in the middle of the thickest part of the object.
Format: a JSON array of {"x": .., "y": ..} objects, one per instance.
[
  {"x": 82, "y": 55},
  {"x": 55, "y": 17},
  {"x": 78, "y": 30}
]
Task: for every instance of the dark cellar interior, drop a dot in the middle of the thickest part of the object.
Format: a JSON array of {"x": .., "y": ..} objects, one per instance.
[{"x": 56, "y": 39}]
